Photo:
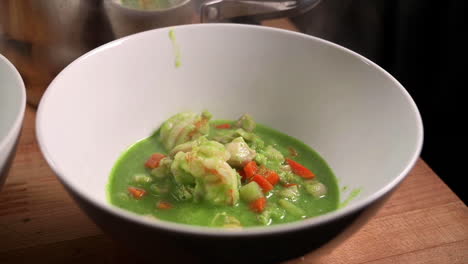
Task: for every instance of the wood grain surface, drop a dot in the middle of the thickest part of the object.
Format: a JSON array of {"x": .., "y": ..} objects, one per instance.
[{"x": 423, "y": 221}]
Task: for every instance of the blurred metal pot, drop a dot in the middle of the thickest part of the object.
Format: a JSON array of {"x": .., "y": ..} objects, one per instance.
[{"x": 41, "y": 37}]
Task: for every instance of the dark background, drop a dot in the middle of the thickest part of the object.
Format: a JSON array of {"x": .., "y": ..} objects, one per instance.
[{"x": 420, "y": 43}]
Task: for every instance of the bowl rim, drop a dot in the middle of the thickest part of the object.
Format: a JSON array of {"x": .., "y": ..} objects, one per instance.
[
  {"x": 218, "y": 232},
  {"x": 18, "y": 121}
]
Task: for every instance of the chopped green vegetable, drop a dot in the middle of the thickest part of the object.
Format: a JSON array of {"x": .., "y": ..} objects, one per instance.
[
  {"x": 246, "y": 122},
  {"x": 291, "y": 208},
  {"x": 163, "y": 170},
  {"x": 316, "y": 189},
  {"x": 250, "y": 192},
  {"x": 123, "y": 196},
  {"x": 183, "y": 192},
  {"x": 142, "y": 178},
  {"x": 288, "y": 177},
  {"x": 224, "y": 220},
  {"x": 291, "y": 192},
  {"x": 273, "y": 155},
  {"x": 270, "y": 213},
  {"x": 264, "y": 218},
  {"x": 261, "y": 159},
  {"x": 159, "y": 188},
  {"x": 240, "y": 152},
  {"x": 246, "y": 135}
]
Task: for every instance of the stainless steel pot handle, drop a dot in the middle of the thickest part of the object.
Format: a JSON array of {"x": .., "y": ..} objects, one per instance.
[{"x": 221, "y": 10}]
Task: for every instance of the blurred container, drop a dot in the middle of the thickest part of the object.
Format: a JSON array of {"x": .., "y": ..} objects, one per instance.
[
  {"x": 41, "y": 37},
  {"x": 125, "y": 20}
]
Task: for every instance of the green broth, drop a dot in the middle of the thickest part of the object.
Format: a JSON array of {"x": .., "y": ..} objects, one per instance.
[{"x": 202, "y": 213}]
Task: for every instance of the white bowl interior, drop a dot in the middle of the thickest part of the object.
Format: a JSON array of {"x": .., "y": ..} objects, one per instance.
[
  {"x": 12, "y": 104},
  {"x": 360, "y": 119}
]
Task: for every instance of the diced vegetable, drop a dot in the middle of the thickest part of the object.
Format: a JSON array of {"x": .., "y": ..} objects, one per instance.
[
  {"x": 262, "y": 170},
  {"x": 285, "y": 168},
  {"x": 246, "y": 122},
  {"x": 289, "y": 192},
  {"x": 289, "y": 184},
  {"x": 264, "y": 183},
  {"x": 316, "y": 189},
  {"x": 264, "y": 218},
  {"x": 240, "y": 152},
  {"x": 260, "y": 159},
  {"x": 272, "y": 177},
  {"x": 183, "y": 192},
  {"x": 300, "y": 170},
  {"x": 250, "y": 192},
  {"x": 225, "y": 220},
  {"x": 142, "y": 178},
  {"x": 137, "y": 193},
  {"x": 250, "y": 169},
  {"x": 159, "y": 189},
  {"x": 153, "y": 161},
  {"x": 276, "y": 212},
  {"x": 291, "y": 208},
  {"x": 273, "y": 154},
  {"x": 256, "y": 142},
  {"x": 123, "y": 196},
  {"x": 163, "y": 170},
  {"x": 272, "y": 211},
  {"x": 258, "y": 205},
  {"x": 160, "y": 172},
  {"x": 246, "y": 135},
  {"x": 164, "y": 205},
  {"x": 223, "y": 126},
  {"x": 288, "y": 177}
]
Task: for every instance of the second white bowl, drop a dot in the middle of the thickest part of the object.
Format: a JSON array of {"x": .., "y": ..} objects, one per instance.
[{"x": 12, "y": 106}]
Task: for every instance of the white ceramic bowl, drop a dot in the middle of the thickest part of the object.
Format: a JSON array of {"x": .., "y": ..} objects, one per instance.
[
  {"x": 12, "y": 105},
  {"x": 357, "y": 116}
]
